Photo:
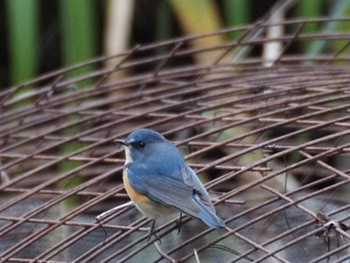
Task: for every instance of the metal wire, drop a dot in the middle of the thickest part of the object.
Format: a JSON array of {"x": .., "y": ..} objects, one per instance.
[{"x": 271, "y": 144}]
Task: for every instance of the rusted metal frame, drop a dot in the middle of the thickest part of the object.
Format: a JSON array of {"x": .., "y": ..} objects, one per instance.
[
  {"x": 20, "y": 260},
  {"x": 256, "y": 117},
  {"x": 35, "y": 236},
  {"x": 316, "y": 192},
  {"x": 128, "y": 97},
  {"x": 86, "y": 133},
  {"x": 54, "y": 157},
  {"x": 90, "y": 254},
  {"x": 286, "y": 233},
  {"x": 296, "y": 240},
  {"x": 316, "y": 58},
  {"x": 292, "y": 39},
  {"x": 148, "y": 243},
  {"x": 282, "y": 235},
  {"x": 117, "y": 66},
  {"x": 219, "y": 117},
  {"x": 172, "y": 42},
  {"x": 121, "y": 161},
  {"x": 272, "y": 200},
  {"x": 66, "y": 98},
  {"x": 257, "y": 146},
  {"x": 327, "y": 167},
  {"x": 342, "y": 259},
  {"x": 62, "y": 84},
  {"x": 315, "y": 149},
  {"x": 66, "y": 223},
  {"x": 141, "y": 239},
  {"x": 152, "y": 46},
  {"x": 53, "y": 180},
  {"x": 41, "y": 135},
  {"x": 330, "y": 253},
  {"x": 295, "y": 191},
  {"x": 307, "y": 82},
  {"x": 268, "y": 202},
  {"x": 194, "y": 89},
  {"x": 290, "y": 167},
  {"x": 163, "y": 254},
  {"x": 59, "y": 192},
  {"x": 191, "y": 112},
  {"x": 87, "y": 92},
  {"x": 304, "y": 122},
  {"x": 54, "y": 200},
  {"x": 264, "y": 216},
  {"x": 100, "y": 128},
  {"x": 76, "y": 236},
  {"x": 302, "y": 208},
  {"x": 300, "y": 37},
  {"x": 185, "y": 219},
  {"x": 289, "y": 200},
  {"x": 97, "y": 105},
  {"x": 336, "y": 54},
  {"x": 336, "y": 150},
  {"x": 274, "y": 140},
  {"x": 259, "y": 247},
  {"x": 252, "y": 30},
  {"x": 72, "y": 99},
  {"x": 278, "y": 111},
  {"x": 125, "y": 54},
  {"x": 333, "y": 148}
]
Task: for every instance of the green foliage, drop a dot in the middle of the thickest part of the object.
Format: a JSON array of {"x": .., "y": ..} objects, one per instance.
[
  {"x": 237, "y": 12},
  {"x": 23, "y": 25},
  {"x": 79, "y": 44},
  {"x": 78, "y": 30},
  {"x": 309, "y": 9},
  {"x": 22, "y": 17}
]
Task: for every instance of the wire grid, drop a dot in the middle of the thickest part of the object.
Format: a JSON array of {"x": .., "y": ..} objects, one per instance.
[{"x": 271, "y": 144}]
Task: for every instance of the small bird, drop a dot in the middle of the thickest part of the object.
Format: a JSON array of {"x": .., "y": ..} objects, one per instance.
[{"x": 159, "y": 182}]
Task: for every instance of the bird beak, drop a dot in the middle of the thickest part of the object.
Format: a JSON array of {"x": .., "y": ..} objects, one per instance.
[{"x": 123, "y": 142}]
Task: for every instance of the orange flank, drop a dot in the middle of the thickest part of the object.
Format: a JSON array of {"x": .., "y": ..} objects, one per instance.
[
  {"x": 149, "y": 208},
  {"x": 134, "y": 195}
]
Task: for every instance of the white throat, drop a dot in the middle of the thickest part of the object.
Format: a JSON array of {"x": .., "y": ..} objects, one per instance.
[{"x": 128, "y": 158}]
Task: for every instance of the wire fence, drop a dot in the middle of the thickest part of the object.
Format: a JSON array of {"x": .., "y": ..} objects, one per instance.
[{"x": 271, "y": 143}]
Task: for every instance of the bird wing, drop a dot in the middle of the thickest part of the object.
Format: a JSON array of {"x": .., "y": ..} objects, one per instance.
[
  {"x": 191, "y": 179},
  {"x": 168, "y": 190},
  {"x": 201, "y": 198},
  {"x": 183, "y": 191}
]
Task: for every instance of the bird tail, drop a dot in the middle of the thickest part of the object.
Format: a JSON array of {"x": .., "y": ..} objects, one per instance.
[{"x": 207, "y": 214}]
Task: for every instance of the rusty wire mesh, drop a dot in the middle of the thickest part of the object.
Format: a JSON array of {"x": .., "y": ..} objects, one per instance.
[{"x": 270, "y": 142}]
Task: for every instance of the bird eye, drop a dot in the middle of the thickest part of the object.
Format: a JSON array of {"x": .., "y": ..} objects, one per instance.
[{"x": 138, "y": 144}]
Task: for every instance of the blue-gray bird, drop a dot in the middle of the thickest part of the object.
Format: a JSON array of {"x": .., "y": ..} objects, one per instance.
[{"x": 158, "y": 180}]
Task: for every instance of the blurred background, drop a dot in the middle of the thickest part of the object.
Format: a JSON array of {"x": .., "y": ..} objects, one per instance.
[
  {"x": 254, "y": 93},
  {"x": 41, "y": 36}
]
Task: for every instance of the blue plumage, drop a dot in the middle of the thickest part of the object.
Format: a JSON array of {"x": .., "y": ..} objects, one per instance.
[{"x": 158, "y": 174}]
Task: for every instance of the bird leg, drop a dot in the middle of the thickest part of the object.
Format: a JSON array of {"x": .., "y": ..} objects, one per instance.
[
  {"x": 152, "y": 231},
  {"x": 179, "y": 224}
]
